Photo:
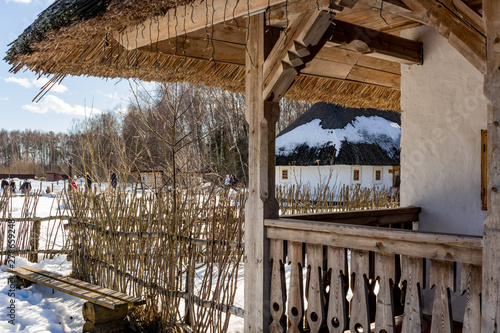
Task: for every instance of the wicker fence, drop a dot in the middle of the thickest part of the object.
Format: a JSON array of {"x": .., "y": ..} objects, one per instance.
[
  {"x": 23, "y": 233},
  {"x": 180, "y": 250}
]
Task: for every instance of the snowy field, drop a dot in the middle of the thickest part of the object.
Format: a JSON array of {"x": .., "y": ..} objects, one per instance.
[{"x": 39, "y": 308}]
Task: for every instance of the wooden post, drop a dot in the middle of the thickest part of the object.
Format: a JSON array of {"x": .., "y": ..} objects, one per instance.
[
  {"x": 34, "y": 241},
  {"x": 261, "y": 117},
  {"x": 491, "y": 241}
]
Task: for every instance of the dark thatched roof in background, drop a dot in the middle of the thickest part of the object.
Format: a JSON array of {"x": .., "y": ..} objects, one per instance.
[
  {"x": 74, "y": 37},
  {"x": 337, "y": 117}
]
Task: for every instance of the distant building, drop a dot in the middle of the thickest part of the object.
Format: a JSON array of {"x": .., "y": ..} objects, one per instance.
[
  {"x": 54, "y": 176},
  {"x": 333, "y": 145},
  {"x": 18, "y": 175},
  {"x": 149, "y": 178}
]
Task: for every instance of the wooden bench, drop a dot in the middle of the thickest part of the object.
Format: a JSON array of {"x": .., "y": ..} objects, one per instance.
[{"x": 105, "y": 309}]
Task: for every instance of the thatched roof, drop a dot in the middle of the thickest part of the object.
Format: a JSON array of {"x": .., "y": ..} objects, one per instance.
[
  {"x": 75, "y": 37},
  {"x": 348, "y": 137}
]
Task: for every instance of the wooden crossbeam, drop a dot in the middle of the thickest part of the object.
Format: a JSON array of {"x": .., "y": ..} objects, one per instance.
[
  {"x": 465, "y": 39},
  {"x": 374, "y": 43},
  {"x": 225, "y": 44}
]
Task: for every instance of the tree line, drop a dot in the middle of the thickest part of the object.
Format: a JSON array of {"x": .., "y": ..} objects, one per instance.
[{"x": 178, "y": 129}]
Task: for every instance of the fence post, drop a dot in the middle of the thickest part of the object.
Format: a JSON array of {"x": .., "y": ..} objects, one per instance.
[
  {"x": 189, "y": 312},
  {"x": 34, "y": 241}
]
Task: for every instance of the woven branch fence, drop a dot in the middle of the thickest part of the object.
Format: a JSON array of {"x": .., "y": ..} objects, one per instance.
[
  {"x": 303, "y": 199},
  {"x": 24, "y": 234},
  {"x": 180, "y": 250}
]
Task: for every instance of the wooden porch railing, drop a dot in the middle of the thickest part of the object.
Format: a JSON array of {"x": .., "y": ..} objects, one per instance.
[{"x": 342, "y": 257}]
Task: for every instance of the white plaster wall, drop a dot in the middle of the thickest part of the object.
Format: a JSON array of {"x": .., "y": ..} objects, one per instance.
[
  {"x": 334, "y": 175},
  {"x": 444, "y": 111}
]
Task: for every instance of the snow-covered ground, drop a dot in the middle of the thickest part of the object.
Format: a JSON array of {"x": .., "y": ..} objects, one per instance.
[{"x": 37, "y": 308}]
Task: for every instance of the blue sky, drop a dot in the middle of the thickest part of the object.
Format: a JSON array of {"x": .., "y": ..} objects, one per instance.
[{"x": 74, "y": 98}]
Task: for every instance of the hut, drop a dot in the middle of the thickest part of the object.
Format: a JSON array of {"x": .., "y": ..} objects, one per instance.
[
  {"x": 52, "y": 176},
  {"x": 437, "y": 61},
  {"x": 331, "y": 145},
  {"x": 149, "y": 178}
]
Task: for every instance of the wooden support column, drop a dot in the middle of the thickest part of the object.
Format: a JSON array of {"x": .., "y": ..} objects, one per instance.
[
  {"x": 491, "y": 242},
  {"x": 261, "y": 117}
]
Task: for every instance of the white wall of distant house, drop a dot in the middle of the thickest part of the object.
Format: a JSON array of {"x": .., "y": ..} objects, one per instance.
[
  {"x": 443, "y": 112},
  {"x": 333, "y": 175}
]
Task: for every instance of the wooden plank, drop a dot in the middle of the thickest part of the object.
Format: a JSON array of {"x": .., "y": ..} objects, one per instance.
[
  {"x": 386, "y": 273},
  {"x": 338, "y": 310},
  {"x": 198, "y": 48},
  {"x": 379, "y": 64},
  {"x": 412, "y": 271},
  {"x": 296, "y": 295},
  {"x": 371, "y": 76},
  {"x": 465, "y": 249},
  {"x": 442, "y": 278},
  {"x": 89, "y": 286},
  {"x": 261, "y": 203},
  {"x": 315, "y": 307},
  {"x": 460, "y": 9},
  {"x": 471, "y": 283},
  {"x": 97, "y": 298},
  {"x": 491, "y": 226},
  {"x": 360, "y": 312},
  {"x": 405, "y": 214},
  {"x": 484, "y": 169},
  {"x": 375, "y": 43},
  {"x": 278, "y": 288}
]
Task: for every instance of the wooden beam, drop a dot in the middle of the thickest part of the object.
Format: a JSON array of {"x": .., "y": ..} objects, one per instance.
[
  {"x": 261, "y": 117},
  {"x": 199, "y": 15},
  {"x": 198, "y": 48},
  {"x": 290, "y": 49},
  {"x": 466, "y": 40},
  {"x": 374, "y": 43},
  {"x": 395, "y": 7},
  {"x": 491, "y": 226},
  {"x": 448, "y": 247},
  {"x": 468, "y": 16},
  {"x": 330, "y": 62}
]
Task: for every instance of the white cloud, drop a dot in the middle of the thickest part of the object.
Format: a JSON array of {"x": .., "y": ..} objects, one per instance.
[
  {"x": 51, "y": 103},
  {"x": 4, "y": 98},
  {"x": 58, "y": 88},
  {"x": 27, "y": 83},
  {"x": 19, "y": 1},
  {"x": 22, "y": 82}
]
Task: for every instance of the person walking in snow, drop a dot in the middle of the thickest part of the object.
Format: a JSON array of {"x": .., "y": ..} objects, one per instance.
[
  {"x": 12, "y": 186},
  {"x": 5, "y": 184},
  {"x": 114, "y": 179},
  {"x": 89, "y": 181},
  {"x": 74, "y": 184}
]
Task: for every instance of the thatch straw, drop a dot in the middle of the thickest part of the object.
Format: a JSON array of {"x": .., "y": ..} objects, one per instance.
[{"x": 82, "y": 44}]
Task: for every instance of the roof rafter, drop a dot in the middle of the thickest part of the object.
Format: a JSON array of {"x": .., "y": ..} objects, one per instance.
[
  {"x": 464, "y": 38},
  {"x": 199, "y": 15},
  {"x": 350, "y": 52}
]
